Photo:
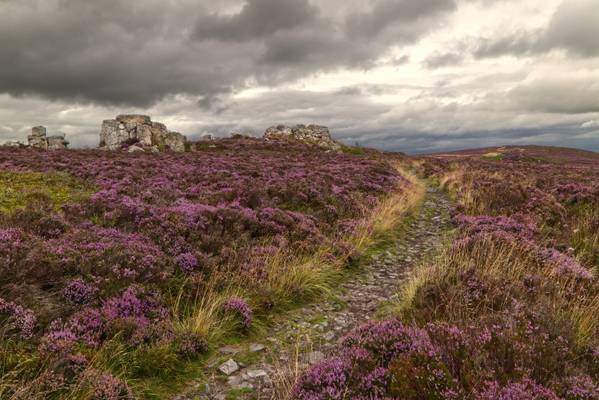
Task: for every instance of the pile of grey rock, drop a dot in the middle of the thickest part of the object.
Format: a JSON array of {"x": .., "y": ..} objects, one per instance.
[
  {"x": 38, "y": 139},
  {"x": 310, "y": 134},
  {"x": 139, "y": 133}
]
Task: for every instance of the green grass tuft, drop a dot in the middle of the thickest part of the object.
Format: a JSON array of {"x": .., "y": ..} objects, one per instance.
[{"x": 17, "y": 189}]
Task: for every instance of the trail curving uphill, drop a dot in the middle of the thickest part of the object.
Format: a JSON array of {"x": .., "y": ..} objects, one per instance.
[{"x": 266, "y": 369}]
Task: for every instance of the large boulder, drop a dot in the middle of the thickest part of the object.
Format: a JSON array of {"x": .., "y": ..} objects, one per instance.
[
  {"x": 144, "y": 135},
  {"x": 311, "y": 134},
  {"x": 39, "y": 140},
  {"x": 175, "y": 141},
  {"x": 111, "y": 136},
  {"x": 140, "y": 130},
  {"x": 57, "y": 142}
]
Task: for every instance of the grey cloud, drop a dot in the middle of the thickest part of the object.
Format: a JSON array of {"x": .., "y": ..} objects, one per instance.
[
  {"x": 397, "y": 61},
  {"x": 440, "y": 60},
  {"x": 557, "y": 95},
  {"x": 112, "y": 51},
  {"x": 387, "y": 14},
  {"x": 574, "y": 27},
  {"x": 257, "y": 18},
  {"x": 136, "y": 53},
  {"x": 519, "y": 43}
]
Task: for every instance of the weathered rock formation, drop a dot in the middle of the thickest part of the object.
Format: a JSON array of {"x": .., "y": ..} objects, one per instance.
[
  {"x": 140, "y": 131},
  {"x": 311, "y": 134},
  {"x": 38, "y": 139}
]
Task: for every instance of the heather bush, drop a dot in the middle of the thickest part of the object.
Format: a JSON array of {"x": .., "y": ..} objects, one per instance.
[
  {"x": 108, "y": 387},
  {"x": 78, "y": 291},
  {"x": 15, "y": 316},
  {"x": 524, "y": 390},
  {"x": 241, "y": 312},
  {"x": 508, "y": 310}
]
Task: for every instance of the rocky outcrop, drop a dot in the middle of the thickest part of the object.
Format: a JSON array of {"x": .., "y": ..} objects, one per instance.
[
  {"x": 311, "y": 134},
  {"x": 139, "y": 130},
  {"x": 14, "y": 143},
  {"x": 39, "y": 140}
]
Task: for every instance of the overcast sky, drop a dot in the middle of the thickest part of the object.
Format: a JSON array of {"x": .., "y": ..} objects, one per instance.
[{"x": 408, "y": 75}]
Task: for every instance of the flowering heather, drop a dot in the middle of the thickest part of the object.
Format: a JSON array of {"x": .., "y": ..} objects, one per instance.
[
  {"x": 241, "y": 310},
  {"x": 16, "y": 315},
  {"x": 564, "y": 265},
  {"x": 78, "y": 291},
  {"x": 134, "y": 311},
  {"x": 187, "y": 262},
  {"x": 108, "y": 387},
  {"x": 88, "y": 326},
  {"x": 371, "y": 364},
  {"x": 486, "y": 224},
  {"x": 190, "y": 345},
  {"x": 580, "y": 388},
  {"x": 57, "y": 343},
  {"x": 525, "y": 390}
]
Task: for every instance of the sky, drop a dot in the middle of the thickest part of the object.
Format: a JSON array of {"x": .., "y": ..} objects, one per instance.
[{"x": 401, "y": 75}]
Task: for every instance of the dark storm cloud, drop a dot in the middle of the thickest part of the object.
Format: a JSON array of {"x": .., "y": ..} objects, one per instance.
[
  {"x": 574, "y": 27},
  {"x": 294, "y": 38},
  {"x": 112, "y": 51},
  {"x": 137, "y": 52},
  {"x": 257, "y": 18}
]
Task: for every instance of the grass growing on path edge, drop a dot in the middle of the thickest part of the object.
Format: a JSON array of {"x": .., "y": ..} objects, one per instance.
[{"x": 291, "y": 282}]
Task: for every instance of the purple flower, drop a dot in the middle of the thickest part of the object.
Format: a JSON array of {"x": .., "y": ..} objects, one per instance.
[
  {"x": 133, "y": 312},
  {"x": 189, "y": 344},
  {"x": 581, "y": 388},
  {"x": 88, "y": 326},
  {"x": 59, "y": 342},
  {"x": 241, "y": 309},
  {"x": 326, "y": 381},
  {"x": 564, "y": 265},
  {"x": 187, "y": 262},
  {"x": 78, "y": 291},
  {"x": 108, "y": 387},
  {"x": 21, "y": 318},
  {"x": 135, "y": 301},
  {"x": 524, "y": 390}
]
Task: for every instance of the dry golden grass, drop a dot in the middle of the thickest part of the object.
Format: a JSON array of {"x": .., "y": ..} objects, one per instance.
[
  {"x": 583, "y": 313},
  {"x": 290, "y": 278},
  {"x": 287, "y": 374},
  {"x": 204, "y": 317},
  {"x": 502, "y": 262}
]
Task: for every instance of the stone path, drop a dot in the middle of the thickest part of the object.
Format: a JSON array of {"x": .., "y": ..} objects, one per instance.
[{"x": 306, "y": 335}]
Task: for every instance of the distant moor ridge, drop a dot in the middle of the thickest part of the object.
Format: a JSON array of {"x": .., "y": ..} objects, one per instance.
[{"x": 138, "y": 133}]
